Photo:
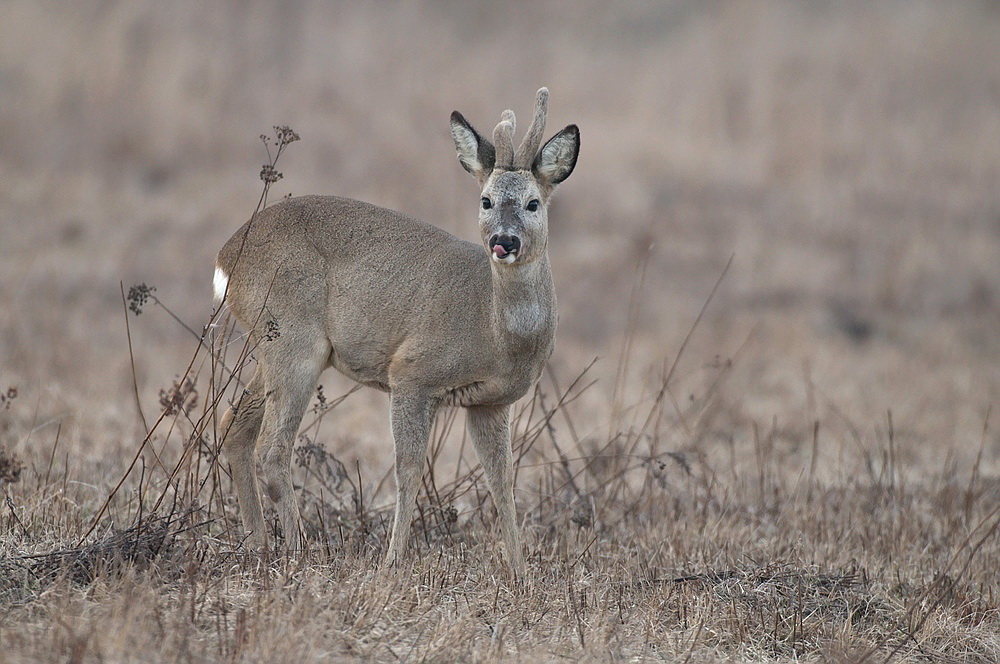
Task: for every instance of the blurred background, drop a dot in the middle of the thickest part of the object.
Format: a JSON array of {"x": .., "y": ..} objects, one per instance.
[{"x": 846, "y": 155}]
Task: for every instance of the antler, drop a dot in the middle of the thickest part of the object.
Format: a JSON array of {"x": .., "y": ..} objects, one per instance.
[
  {"x": 508, "y": 115},
  {"x": 533, "y": 139},
  {"x": 503, "y": 140}
]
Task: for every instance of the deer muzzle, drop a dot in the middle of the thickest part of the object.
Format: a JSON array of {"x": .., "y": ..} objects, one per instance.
[{"x": 504, "y": 248}]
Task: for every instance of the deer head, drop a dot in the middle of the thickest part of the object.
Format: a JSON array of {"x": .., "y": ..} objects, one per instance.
[{"x": 516, "y": 186}]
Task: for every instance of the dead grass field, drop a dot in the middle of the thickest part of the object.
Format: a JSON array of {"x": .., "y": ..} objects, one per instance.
[{"x": 812, "y": 474}]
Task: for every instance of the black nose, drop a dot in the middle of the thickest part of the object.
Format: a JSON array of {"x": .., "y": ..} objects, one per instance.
[{"x": 509, "y": 244}]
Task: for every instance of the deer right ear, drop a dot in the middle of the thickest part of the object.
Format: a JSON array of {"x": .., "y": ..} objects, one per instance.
[{"x": 475, "y": 152}]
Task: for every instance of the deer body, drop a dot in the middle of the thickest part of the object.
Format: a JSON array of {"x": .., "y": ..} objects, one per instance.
[
  {"x": 437, "y": 318},
  {"x": 401, "y": 306}
]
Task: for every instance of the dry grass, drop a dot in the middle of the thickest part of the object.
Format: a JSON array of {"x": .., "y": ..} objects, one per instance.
[
  {"x": 733, "y": 551},
  {"x": 813, "y": 474}
]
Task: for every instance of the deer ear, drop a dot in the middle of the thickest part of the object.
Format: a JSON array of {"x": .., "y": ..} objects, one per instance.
[
  {"x": 557, "y": 158},
  {"x": 475, "y": 152}
]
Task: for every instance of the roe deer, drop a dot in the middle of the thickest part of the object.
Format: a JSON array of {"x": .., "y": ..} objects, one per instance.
[{"x": 401, "y": 306}]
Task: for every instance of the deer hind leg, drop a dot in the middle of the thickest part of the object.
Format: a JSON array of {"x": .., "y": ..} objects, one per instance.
[
  {"x": 239, "y": 428},
  {"x": 411, "y": 417},
  {"x": 293, "y": 366},
  {"x": 489, "y": 428}
]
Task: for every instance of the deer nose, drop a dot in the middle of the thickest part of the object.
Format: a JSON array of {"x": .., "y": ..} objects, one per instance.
[{"x": 502, "y": 244}]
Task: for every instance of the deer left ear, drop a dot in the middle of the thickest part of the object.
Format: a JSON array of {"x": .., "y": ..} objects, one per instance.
[
  {"x": 475, "y": 152},
  {"x": 557, "y": 158}
]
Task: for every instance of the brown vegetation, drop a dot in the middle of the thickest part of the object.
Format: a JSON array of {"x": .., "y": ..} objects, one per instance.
[{"x": 805, "y": 470}]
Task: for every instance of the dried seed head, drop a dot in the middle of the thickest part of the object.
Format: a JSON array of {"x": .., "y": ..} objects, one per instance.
[
  {"x": 271, "y": 330},
  {"x": 285, "y": 135},
  {"x": 10, "y": 467},
  {"x": 137, "y": 297},
  {"x": 180, "y": 397},
  {"x": 269, "y": 175}
]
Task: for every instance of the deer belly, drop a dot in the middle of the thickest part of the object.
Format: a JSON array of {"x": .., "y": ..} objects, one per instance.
[
  {"x": 490, "y": 392},
  {"x": 368, "y": 368}
]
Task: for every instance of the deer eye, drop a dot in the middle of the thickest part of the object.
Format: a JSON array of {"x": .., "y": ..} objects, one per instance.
[
  {"x": 487, "y": 203},
  {"x": 532, "y": 205}
]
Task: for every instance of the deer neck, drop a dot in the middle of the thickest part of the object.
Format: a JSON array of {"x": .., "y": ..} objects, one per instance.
[{"x": 524, "y": 303}]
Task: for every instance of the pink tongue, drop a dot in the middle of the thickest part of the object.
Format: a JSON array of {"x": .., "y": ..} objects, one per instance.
[{"x": 499, "y": 251}]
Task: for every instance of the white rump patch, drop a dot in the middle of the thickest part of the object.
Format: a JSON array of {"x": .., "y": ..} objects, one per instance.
[{"x": 219, "y": 284}]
